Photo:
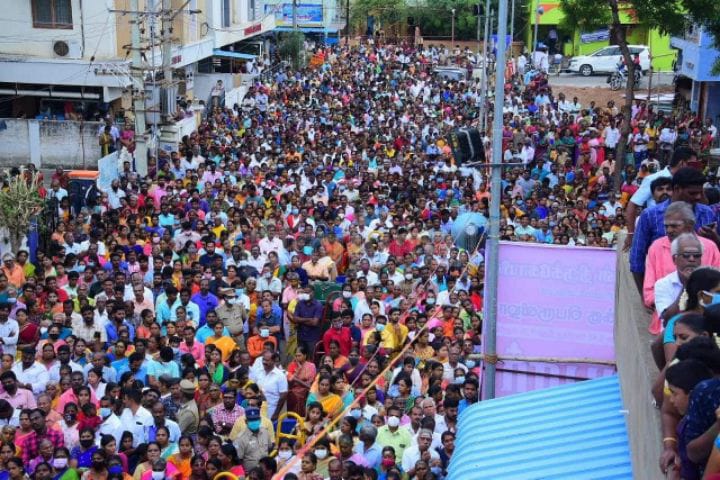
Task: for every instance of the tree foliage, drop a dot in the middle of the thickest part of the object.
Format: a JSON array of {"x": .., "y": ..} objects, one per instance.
[
  {"x": 384, "y": 11},
  {"x": 292, "y": 48},
  {"x": 19, "y": 203},
  {"x": 435, "y": 18}
]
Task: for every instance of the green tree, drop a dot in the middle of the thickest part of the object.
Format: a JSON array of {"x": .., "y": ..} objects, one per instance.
[
  {"x": 590, "y": 15},
  {"x": 435, "y": 18},
  {"x": 19, "y": 203},
  {"x": 385, "y": 12},
  {"x": 292, "y": 48}
]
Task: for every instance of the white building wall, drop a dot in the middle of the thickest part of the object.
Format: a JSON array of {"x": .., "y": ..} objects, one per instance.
[
  {"x": 96, "y": 36},
  {"x": 49, "y": 143}
]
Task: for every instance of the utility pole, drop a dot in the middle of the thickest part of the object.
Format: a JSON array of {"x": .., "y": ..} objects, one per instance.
[
  {"x": 480, "y": 14},
  {"x": 512, "y": 28},
  {"x": 294, "y": 14},
  {"x": 347, "y": 22},
  {"x": 492, "y": 246},
  {"x": 138, "y": 89},
  {"x": 484, "y": 71},
  {"x": 453, "y": 28},
  {"x": 168, "y": 91},
  {"x": 138, "y": 68}
]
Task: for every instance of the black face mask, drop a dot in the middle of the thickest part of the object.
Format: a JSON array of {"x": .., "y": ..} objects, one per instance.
[
  {"x": 87, "y": 444},
  {"x": 353, "y": 361},
  {"x": 53, "y": 336},
  {"x": 99, "y": 465}
]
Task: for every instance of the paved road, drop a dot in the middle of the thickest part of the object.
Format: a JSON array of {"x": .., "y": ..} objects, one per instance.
[{"x": 575, "y": 80}]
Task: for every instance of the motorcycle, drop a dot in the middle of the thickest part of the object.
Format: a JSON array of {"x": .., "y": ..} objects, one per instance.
[{"x": 619, "y": 78}]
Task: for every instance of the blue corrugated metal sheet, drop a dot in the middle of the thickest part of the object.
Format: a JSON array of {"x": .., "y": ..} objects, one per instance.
[{"x": 574, "y": 431}]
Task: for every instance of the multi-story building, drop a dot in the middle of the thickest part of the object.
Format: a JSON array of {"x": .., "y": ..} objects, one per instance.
[
  {"x": 696, "y": 56},
  {"x": 65, "y": 59}
]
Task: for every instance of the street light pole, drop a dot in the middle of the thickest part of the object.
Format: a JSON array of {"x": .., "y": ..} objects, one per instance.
[
  {"x": 484, "y": 71},
  {"x": 538, "y": 12},
  {"x": 512, "y": 28},
  {"x": 453, "y": 27},
  {"x": 492, "y": 246}
]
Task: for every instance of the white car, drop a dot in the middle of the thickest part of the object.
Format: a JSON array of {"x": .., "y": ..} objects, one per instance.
[{"x": 606, "y": 60}]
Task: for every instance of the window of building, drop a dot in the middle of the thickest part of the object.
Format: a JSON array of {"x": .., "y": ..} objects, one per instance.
[
  {"x": 226, "y": 18},
  {"x": 252, "y": 11},
  {"x": 52, "y": 13}
]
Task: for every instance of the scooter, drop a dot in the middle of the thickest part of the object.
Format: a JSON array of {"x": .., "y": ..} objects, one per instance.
[{"x": 619, "y": 78}]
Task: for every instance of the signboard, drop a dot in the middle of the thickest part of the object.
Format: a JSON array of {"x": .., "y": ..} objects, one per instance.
[
  {"x": 252, "y": 29},
  {"x": 553, "y": 302},
  {"x": 307, "y": 14},
  {"x": 596, "y": 36},
  {"x": 108, "y": 170}
]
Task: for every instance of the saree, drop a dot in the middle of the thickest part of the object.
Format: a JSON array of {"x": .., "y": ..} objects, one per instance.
[{"x": 297, "y": 393}]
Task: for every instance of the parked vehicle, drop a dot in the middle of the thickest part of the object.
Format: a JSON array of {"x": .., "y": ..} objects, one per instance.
[
  {"x": 618, "y": 78},
  {"x": 606, "y": 59},
  {"x": 451, "y": 73}
]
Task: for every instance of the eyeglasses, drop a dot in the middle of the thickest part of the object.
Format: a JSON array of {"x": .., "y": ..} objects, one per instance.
[{"x": 690, "y": 255}]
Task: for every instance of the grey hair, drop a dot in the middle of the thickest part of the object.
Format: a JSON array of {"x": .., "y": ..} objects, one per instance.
[
  {"x": 675, "y": 246},
  {"x": 682, "y": 209},
  {"x": 369, "y": 431}
]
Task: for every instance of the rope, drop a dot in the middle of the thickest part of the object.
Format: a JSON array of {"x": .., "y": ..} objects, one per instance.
[{"x": 391, "y": 364}]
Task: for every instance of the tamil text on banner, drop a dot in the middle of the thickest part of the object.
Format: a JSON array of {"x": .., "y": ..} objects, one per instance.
[{"x": 554, "y": 302}]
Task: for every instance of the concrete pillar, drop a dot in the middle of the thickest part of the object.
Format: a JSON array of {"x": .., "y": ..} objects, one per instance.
[{"x": 34, "y": 143}]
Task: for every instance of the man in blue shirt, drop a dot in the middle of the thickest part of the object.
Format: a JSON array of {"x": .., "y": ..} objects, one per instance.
[
  {"x": 205, "y": 300},
  {"x": 470, "y": 392},
  {"x": 117, "y": 319},
  {"x": 687, "y": 186}
]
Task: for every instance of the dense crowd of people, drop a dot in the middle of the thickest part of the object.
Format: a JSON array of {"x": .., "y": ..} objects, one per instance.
[{"x": 292, "y": 268}]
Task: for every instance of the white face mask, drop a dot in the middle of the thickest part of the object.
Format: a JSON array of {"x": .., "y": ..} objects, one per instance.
[
  {"x": 304, "y": 296},
  {"x": 346, "y": 294},
  {"x": 158, "y": 475},
  {"x": 284, "y": 454},
  {"x": 321, "y": 453}
]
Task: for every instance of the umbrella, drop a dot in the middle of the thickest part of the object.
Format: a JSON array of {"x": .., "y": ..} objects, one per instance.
[{"x": 467, "y": 230}]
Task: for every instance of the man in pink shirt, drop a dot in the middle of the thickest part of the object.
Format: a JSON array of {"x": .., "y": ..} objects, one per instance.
[
  {"x": 77, "y": 381},
  {"x": 17, "y": 397},
  {"x": 193, "y": 347},
  {"x": 679, "y": 218}
]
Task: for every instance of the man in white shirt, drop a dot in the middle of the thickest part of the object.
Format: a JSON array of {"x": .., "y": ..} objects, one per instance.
[
  {"x": 412, "y": 454},
  {"x": 273, "y": 384},
  {"x": 9, "y": 331},
  {"x": 115, "y": 193},
  {"x": 270, "y": 243},
  {"x": 667, "y": 290},
  {"x": 135, "y": 418},
  {"x": 56, "y": 191},
  {"x": 9, "y": 416},
  {"x": 612, "y": 206},
  {"x": 111, "y": 424},
  {"x": 611, "y": 134},
  {"x": 30, "y": 374},
  {"x": 527, "y": 154}
]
